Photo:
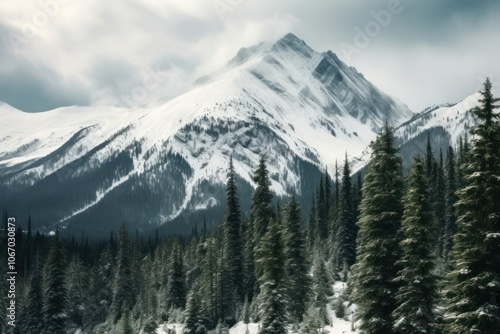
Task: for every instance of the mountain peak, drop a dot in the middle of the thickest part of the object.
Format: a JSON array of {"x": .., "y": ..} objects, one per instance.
[{"x": 292, "y": 42}]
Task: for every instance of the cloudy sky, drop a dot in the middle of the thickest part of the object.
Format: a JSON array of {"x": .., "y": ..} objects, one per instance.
[{"x": 64, "y": 52}]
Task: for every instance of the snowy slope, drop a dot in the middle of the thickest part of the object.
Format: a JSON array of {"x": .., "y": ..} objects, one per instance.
[
  {"x": 283, "y": 98},
  {"x": 445, "y": 124}
]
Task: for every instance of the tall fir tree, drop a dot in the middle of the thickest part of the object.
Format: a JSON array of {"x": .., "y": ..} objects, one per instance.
[
  {"x": 415, "y": 299},
  {"x": 345, "y": 241},
  {"x": 321, "y": 214},
  {"x": 54, "y": 291},
  {"x": 250, "y": 280},
  {"x": 261, "y": 208},
  {"x": 472, "y": 296},
  {"x": 312, "y": 225},
  {"x": 261, "y": 213},
  {"x": 176, "y": 287},
  {"x": 33, "y": 321},
  {"x": 439, "y": 201},
  {"x": 273, "y": 303},
  {"x": 450, "y": 200},
  {"x": 297, "y": 266},
  {"x": 378, "y": 241},
  {"x": 233, "y": 241},
  {"x": 123, "y": 285}
]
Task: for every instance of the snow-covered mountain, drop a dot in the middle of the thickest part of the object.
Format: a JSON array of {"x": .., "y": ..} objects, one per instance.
[
  {"x": 444, "y": 124},
  {"x": 96, "y": 167}
]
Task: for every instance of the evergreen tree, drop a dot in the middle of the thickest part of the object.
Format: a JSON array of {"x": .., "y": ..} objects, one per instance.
[
  {"x": 312, "y": 226},
  {"x": 261, "y": 210},
  {"x": 193, "y": 307},
  {"x": 417, "y": 292},
  {"x": 439, "y": 200},
  {"x": 297, "y": 267},
  {"x": 54, "y": 287},
  {"x": 233, "y": 241},
  {"x": 176, "y": 287},
  {"x": 123, "y": 286},
  {"x": 273, "y": 305},
  {"x": 32, "y": 318},
  {"x": 429, "y": 157},
  {"x": 472, "y": 297},
  {"x": 450, "y": 200},
  {"x": 328, "y": 198},
  {"x": 261, "y": 213},
  {"x": 249, "y": 261},
  {"x": 322, "y": 288},
  {"x": 321, "y": 214},
  {"x": 377, "y": 247},
  {"x": 345, "y": 240},
  {"x": 75, "y": 283}
]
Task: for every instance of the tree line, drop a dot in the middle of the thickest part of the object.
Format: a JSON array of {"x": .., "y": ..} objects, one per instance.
[{"x": 419, "y": 253}]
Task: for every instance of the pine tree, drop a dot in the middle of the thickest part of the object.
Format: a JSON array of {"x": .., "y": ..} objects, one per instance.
[
  {"x": 249, "y": 262},
  {"x": 32, "y": 317},
  {"x": 123, "y": 286},
  {"x": 322, "y": 288},
  {"x": 273, "y": 291},
  {"x": 262, "y": 210},
  {"x": 176, "y": 287},
  {"x": 472, "y": 297},
  {"x": 261, "y": 213},
  {"x": 429, "y": 157},
  {"x": 297, "y": 267},
  {"x": 312, "y": 226},
  {"x": 345, "y": 241},
  {"x": 439, "y": 200},
  {"x": 75, "y": 283},
  {"x": 417, "y": 292},
  {"x": 450, "y": 200},
  {"x": 193, "y": 307},
  {"x": 377, "y": 247},
  {"x": 54, "y": 291},
  {"x": 321, "y": 214},
  {"x": 233, "y": 241}
]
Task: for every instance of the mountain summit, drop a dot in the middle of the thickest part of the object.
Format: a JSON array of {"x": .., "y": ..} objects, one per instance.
[{"x": 95, "y": 167}]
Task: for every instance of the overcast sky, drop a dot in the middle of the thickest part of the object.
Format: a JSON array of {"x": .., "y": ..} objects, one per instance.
[{"x": 63, "y": 52}]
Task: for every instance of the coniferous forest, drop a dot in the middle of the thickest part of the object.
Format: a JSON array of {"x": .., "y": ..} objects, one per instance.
[{"x": 416, "y": 251}]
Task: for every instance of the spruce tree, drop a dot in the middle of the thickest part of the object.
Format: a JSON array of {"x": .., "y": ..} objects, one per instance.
[
  {"x": 472, "y": 296},
  {"x": 321, "y": 214},
  {"x": 233, "y": 242},
  {"x": 297, "y": 267},
  {"x": 322, "y": 288},
  {"x": 193, "y": 307},
  {"x": 249, "y": 262},
  {"x": 312, "y": 226},
  {"x": 273, "y": 307},
  {"x": 176, "y": 287},
  {"x": 345, "y": 241},
  {"x": 415, "y": 298},
  {"x": 262, "y": 209},
  {"x": 123, "y": 285},
  {"x": 377, "y": 244},
  {"x": 32, "y": 318},
  {"x": 261, "y": 213},
  {"x": 439, "y": 201},
  {"x": 450, "y": 200},
  {"x": 54, "y": 291}
]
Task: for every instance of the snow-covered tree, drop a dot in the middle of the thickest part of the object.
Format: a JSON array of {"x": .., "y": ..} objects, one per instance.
[
  {"x": 54, "y": 291},
  {"x": 273, "y": 306},
  {"x": 415, "y": 299},
  {"x": 297, "y": 266},
  {"x": 378, "y": 241},
  {"x": 472, "y": 296}
]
